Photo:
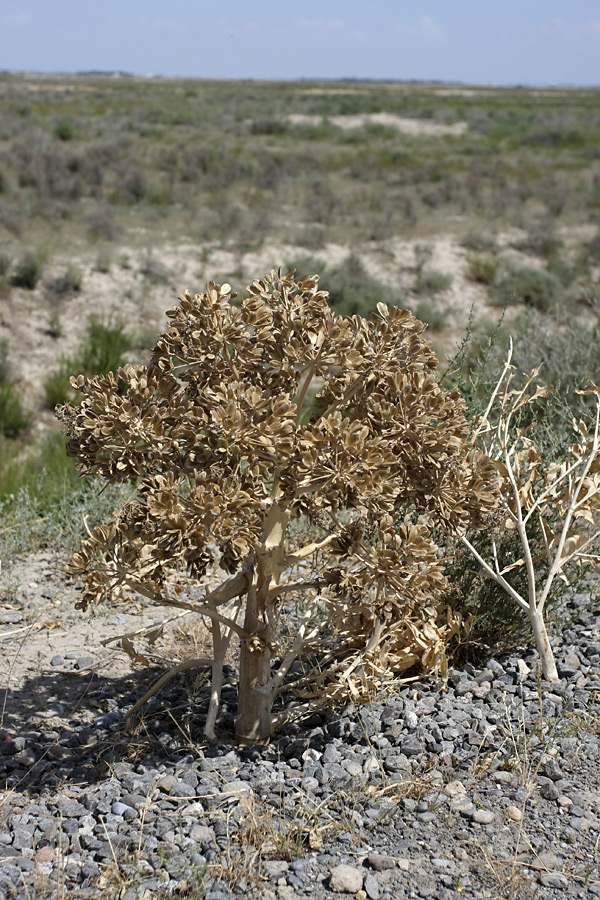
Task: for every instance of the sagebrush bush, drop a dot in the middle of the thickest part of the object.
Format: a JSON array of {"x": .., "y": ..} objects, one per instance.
[
  {"x": 64, "y": 130},
  {"x": 27, "y": 271},
  {"x": 154, "y": 270},
  {"x": 541, "y": 240},
  {"x": 432, "y": 281},
  {"x": 432, "y": 314},
  {"x": 352, "y": 291},
  {"x": 531, "y": 287},
  {"x": 68, "y": 281},
  {"x": 482, "y": 267},
  {"x": 479, "y": 241}
]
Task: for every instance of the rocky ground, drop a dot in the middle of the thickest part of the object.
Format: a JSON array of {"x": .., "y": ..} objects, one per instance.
[{"x": 484, "y": 787}]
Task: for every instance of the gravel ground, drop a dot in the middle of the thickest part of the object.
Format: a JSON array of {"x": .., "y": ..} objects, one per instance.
[{"x": 485, "y": 787}]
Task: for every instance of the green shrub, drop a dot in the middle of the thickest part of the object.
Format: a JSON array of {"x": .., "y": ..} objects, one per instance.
[
  {"x": 564, "y": 271},
  {"x": 591, "y": 250},
  {"x": 64, "y": 130},
  {"x": 268, "y": 126},
  {"x": 13, "y": 418},
  {"x": 57, "y": 387},
  {"x": 482, "y": 267},
  {"x": 4, "y": 363},
  {"x": 532, "y": 287},
  {"x": 541, "y": 241},
  {"x": 479, "y": 241},
  {"x": 28, "y": 271},
  {"x": 103, "y": 260},
  {"x": 101, "y": 351},
  {"x": 352, "y": 291},
  {"x": 104, "y": 348},
  {"x": 431, "y": 281},
  {"x": 55, "y": 328},
  {"x": 496, "y": 623},
  {"x": 68, "y": 282},
  {"x": 43, "y": 500},
  {"x": 432, "y": 314}
]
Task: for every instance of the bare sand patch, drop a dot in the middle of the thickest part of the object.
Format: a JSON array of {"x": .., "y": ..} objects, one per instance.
[{"x": 422, "y": 127}]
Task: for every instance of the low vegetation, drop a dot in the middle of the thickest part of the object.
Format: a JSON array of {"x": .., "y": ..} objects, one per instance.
[{"x": 102, "y": 350}]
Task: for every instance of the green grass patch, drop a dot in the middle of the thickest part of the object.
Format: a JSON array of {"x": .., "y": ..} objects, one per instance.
[{"x": 102, "y": 350}]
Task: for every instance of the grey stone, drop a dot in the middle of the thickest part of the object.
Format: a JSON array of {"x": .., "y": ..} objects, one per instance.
[
  {"x": 427, "y": 817},
  {"x": 57, "y": 660},
  {"x": 345, "y": 879},
  {"x": 411, "y": 720},
  {"x": 276, "y": 868},
  {"x": 166, "y": 783},
  {"x": 23, "y": 838},
  {"x": 483, "y": 816},
  {"x": 554, "y": 879},
  {"x": 371, "y": 886},
  {"x": 465, "y": 687},
  {"x": 84, "y": 662},
  {"x": 411, "y": 746},
  {"x": 380, "y": 862},
  {"x": 552, "y": 769},
  {"x": 202, "y": 834},
  {"x": 549, "y": 791}
]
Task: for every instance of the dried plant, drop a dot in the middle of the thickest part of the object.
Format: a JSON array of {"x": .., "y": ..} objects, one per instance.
[
  {"x": 227, "y": 458},
  {"x": 558, "y": 500}
]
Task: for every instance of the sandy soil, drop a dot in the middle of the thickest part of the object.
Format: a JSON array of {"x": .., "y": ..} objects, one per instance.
[
  {"x": 36, "y": 590},
  {"x": 403, "y": 125},
  {"x": 123, "y": 293}
]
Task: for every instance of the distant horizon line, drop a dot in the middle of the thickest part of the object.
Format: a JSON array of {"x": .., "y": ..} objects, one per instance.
[{"x": 344, "y": 79}]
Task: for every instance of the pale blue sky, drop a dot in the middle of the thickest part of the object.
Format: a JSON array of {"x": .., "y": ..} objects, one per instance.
[{"x": 477, "y": 41}]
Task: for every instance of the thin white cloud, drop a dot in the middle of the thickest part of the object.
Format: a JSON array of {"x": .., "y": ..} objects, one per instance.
[{"x": 430, "y": 30}]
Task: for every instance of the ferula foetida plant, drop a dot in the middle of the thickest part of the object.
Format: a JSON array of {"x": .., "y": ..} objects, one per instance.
[{"x": 311, "y": 456}]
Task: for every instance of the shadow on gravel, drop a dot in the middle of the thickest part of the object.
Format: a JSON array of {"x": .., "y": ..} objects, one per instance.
[{"x": 70, "y": 728}]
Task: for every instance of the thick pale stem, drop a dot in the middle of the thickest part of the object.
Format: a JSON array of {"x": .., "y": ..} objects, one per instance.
[
  {"x": 255, "y": 696},
  {"x": 543, "y": 646},
  {"x": 219, "y": 650}
]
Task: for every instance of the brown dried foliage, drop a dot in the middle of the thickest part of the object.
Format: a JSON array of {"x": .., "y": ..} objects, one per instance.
[{"x": 216, "y": 438}]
